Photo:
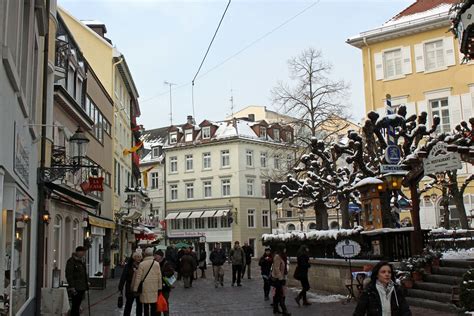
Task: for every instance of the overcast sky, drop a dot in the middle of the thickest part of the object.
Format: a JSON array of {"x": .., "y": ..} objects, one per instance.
[{"x": 166, "y": 41}]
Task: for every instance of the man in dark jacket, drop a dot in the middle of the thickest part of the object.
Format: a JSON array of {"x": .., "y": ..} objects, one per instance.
[
  {"x": 237, "y": 257},
  {"x": 265, "y": 264},
  {"x": 248, "y": 259},
  {"x": 172, "y": 255},
  {"x": 77, "y": 279},
  {"x": 187, "y": 266},
  {"x": 218, "y": 259},
  {"x": 167, "y": 274}
]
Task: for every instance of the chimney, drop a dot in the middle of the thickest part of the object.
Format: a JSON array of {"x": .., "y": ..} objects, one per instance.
[
  {"x": 190, "y": 120},
  {"x": 99, "y": 28},
  {"x": 251, "y": 117}
]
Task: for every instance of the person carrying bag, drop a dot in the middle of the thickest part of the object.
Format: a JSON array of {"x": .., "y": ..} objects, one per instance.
[{"x": 148, "y": 282}]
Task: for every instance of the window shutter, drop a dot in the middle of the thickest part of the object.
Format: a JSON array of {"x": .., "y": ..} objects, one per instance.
[
  {"x": 406, "y": 60},
  {"x": 466, "y": 101},
  {"x": 454, "y": 103},
  {"x": 378, "y": 61},
  {"x": 422, "y": 106},
  {"x": 448, "y": 45},
  {"x": 419, "y": 59}
]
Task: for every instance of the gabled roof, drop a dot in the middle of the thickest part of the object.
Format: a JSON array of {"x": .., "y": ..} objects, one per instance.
[
  {"x": 421, "y": 6},
  {"x": 154, "y": 137}
]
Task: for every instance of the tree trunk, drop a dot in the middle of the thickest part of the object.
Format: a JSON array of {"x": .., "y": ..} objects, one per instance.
[
  {"x": 344, "y": 206},
  {"x": 321, "y": 216},
  {"x": 459, "y": 202},
  {"x": 387, "y": 219},
  {"x": 417, "y": 235},
  {"x": 445, "y": 204}
]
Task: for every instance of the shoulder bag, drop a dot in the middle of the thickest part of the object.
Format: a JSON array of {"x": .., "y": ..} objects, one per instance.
[{"x": 140, "y": 286}]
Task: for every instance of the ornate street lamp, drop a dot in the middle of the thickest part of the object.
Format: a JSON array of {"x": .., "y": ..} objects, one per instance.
[{"x": 301, "y": 214}]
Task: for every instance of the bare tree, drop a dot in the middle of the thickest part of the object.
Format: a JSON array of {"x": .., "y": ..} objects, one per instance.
[{"x": 315, "y": 101}]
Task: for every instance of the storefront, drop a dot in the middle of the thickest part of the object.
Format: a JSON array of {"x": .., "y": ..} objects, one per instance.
[{"x": 99, "y": 234}]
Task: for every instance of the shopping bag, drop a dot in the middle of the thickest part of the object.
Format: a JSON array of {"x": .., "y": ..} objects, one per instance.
[
  {"x": 120, "y": 301},
  {"x": 161, "y": 303}
]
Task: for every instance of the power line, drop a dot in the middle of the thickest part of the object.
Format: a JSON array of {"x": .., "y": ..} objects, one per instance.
[{"x": 238, "y": 52}]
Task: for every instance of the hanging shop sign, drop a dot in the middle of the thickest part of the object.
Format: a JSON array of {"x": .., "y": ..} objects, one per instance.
[
  {"x": 93, "y": 184},
  {"x": 392, "y": 154},
  {"x": 393, "y": 169},
  {"x": 440, "y": 160}
]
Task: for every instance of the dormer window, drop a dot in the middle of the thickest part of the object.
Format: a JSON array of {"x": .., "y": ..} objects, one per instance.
[
  {"x": 188, "y": 135},
  {"x": 206, "y": 132},
  {"x": 288, "y": 136},
  {"x": 276, "y": 134},
  {"x": 263, "y": 132},
  {"x": 155, "y": 152},
  {"x": 173, "y": 137}
]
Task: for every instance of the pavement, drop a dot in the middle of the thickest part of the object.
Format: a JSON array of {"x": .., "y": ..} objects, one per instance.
[{"x": 204, "y": 299}]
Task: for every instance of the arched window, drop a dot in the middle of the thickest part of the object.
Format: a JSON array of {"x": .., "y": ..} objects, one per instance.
[
  {"x": 75, "y": 233},
  {"x": 57, "y": 241},
  {"x": 312, "y": 226},
  {"x": 68, "y": 236},
  {"x": 290, "y": 227},
  {"x": 334, "y": 225}
]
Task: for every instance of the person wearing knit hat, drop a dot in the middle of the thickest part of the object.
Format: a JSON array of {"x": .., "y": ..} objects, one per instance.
[{"x": 265, "y": 264}]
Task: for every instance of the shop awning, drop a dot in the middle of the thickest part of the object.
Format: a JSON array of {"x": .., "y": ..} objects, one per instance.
[
  {"x": 221, "y": 213},
  {"x": 133, "y": 216},
  {"x": 172, "y": 215},
  {"x": 101, "y": 222},
  {"x": 183, "y": 215},
  {"x": 209, "y": 213},
  {"x": 196, "y": 214},
  {"x": 64, "y": 191}
]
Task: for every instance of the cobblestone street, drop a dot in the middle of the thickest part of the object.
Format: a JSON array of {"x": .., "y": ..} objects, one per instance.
[{"x": 204, "y": 299}]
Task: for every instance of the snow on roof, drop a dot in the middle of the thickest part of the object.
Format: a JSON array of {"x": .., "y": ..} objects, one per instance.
[
  {"x": 388, "y": 230},
  {"x": 366, "y": 181},
  {"x": 438, "y": 9},
  {"x": 458, "y": 254},
  {"x": 313, "y": 235},
  {"x": 92, "y": 22},
  {"x": 227, "y": 129}
]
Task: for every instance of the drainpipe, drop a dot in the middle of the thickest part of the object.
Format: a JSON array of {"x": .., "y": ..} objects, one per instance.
[{"x": 369, "y": 54}]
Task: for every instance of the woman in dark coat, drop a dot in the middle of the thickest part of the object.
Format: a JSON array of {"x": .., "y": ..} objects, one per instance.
[
  {"x": 187, "y": 266},
  {"x": 301, "y": 274},
  {"x": 203, "y": 262},
  {"x": 126, "y": 280},
  {"x": 382, "y": 297}
]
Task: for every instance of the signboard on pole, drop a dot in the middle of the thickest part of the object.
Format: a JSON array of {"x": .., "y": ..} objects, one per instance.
[
  {"x": 440, "y": 160},
  {"x": 392, "y": 169},
  {"x": 392, "y": 154},
  {"x": 348, "y": 248}
]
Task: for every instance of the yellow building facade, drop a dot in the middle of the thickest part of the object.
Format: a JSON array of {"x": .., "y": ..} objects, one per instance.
[{"x": 414, "y": 58}]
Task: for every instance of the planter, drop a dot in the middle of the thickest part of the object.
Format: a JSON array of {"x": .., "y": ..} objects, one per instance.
[
  {"x": 417, "y": 276},
  {"x": 407, "y": 283}
]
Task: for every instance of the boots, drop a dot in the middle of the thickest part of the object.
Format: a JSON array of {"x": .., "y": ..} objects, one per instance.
[
  {"x": 305, "y": 300},
  {"x": 283, "y": 307},
  {"x": 298, "y": 299},
  {"x": 276, "y": 310}
]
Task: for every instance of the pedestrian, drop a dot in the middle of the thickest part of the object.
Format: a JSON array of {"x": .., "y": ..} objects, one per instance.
[
  {"x": 301, "y": 274},
  {"x": 218, "y": 259},
  {"x": 248, "y": 259},
  {"x": 77, "y": 279},
  {"x": 167, "y": 274},
  {"x": 179, "y": 255},
  {"x": 172, "y": 255},
  {"x": 237, "y": 257},
  {"x": 265, "y": 264},
  {"x": 187, "y": 267},
  {"x": 149, "y": 275},
  {"x": 196, "y": 259},
  {"x": 203, "y": 262},
  {"x": 382, "y": 297},
  {"x": 126, "y": 280},
  {"x": 279, "y": 282}
]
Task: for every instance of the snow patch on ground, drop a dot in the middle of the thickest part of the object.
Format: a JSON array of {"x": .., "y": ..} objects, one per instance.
[
  {"x": 321, "y": 298},
  {"x": 458, "y": 254}
]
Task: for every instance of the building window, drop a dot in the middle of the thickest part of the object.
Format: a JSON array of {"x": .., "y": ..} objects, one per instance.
[
  {"x": 173, "y": 138},
  {"x": 174, "y": 192},
  {"x": 188, "y": 223},
  {"x": 250, "y": 187},
  {"x": 189, "y": 162},
  {"x": 225, "y": 158},
  {"x": 263, "y": 159},
  {"x": 265, "y": 219},
  {"x": 175, "y": 224},
  {"x": 249, "y": 157},
  {"x": 207, "y": 189},
  {"x": 434, "y": 55},
  {"x": 206, "y": 132},
  {"x": 263, "y": 132},
  {"x": 154, "y": 180},
  {"x": 276, "y": 134},
  {"x": 206, "y": 161},
  {"x": 57, "y": 242},
  {"x": 226, "y": 187},
  {"x": 289, "y": 161},
  {"x": 277, "y": 162},
  {"x": 440, "y": 108},
  {"x": 289, "y": 137},
  {"x": 188, "y": 135},
  {"x": 392, "y": 63},
  {"x": 291, "y": 227},
  {"x": 312, "y": 226},
  {"x": 199, "y": 223},
  {"x": 289, "y": 213},
  {"x": 225, "y": 222},
  {"x": 263, "y": 186},
  {"x": 190, "y": 190},
  {"x": 155, "y": 152},
  {"x": 212, "y": 222},
  {"x": 173, "y": 164},
  {"x": 251, "y": 218}
]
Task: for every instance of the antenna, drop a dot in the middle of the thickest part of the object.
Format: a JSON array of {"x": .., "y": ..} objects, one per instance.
[
  {"x": 231, "y": 103},
  {"x": 171, "y": 101}
]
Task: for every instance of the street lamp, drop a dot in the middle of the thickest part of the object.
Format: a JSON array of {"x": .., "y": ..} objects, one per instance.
[{"x": 301, "y": 214}]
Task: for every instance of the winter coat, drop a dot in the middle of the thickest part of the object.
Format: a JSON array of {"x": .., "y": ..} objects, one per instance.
[
  {"x": 76, "y": 274},
  {"x": 265, "y": 264},
  {"x": 166, "y": 271},
  {"x": 187, "y": 265},
  {"x": 171, "y": 255},
  {"x": 127, "y": 277},
  {"x": 370, "y": 304},
  {"x": 237, "y": 256},
  {"x": 218, "y": 257},
  {"x": 278, "y": 268},
  {"x": 203, "y": 260},
  {"x": 152, "y": 283},
  {"x": 248, "y": 254},
  {"x": 302, "y": 266}
]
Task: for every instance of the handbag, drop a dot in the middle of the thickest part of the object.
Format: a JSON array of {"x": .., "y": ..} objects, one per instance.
[
  {"x": 120, "y": 301},
  {"x": 297, "y": 274},
  {"x": 161, "y": 303},
  {"x": 140, "y": 286}
]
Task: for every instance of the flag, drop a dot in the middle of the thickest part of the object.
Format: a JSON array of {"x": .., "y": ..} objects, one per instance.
[
  {"x": 145, "y": 176},
  {"x": 133, "y": 149}
]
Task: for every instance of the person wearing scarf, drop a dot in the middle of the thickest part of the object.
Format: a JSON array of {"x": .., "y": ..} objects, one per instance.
[{"x": 382, "y": 297}]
